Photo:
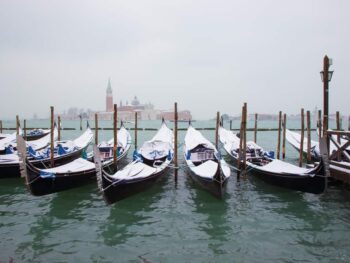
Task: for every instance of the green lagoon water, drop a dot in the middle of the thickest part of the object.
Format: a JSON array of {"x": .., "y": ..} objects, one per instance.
[{"x": 255, "y": 222}]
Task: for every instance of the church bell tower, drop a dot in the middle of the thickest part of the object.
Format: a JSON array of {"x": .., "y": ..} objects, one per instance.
[{"x": 109, "y": 97}]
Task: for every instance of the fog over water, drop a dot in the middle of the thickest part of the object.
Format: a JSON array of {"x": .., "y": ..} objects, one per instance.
[{"x": 206, "y": 55}]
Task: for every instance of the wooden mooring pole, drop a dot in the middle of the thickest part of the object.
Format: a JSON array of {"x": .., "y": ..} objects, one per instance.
[
  {"x": 81, "y": 122},
  {"x": 175, "y": 140},
  {"x": 217, "y": 130},
  {"x": 52, "y": 143},
  {"x": 279, "y": 134},
  {"x": 301, "y": 139},
  {"x": 17, "y": 124},
  {"x": 96, "y": 128},
  {"x": 337, "y": 118},
  {"x": 245, "y": 137},
  {"x": 319, "y": 126},
  {"x": 240, "y": 146},
  {"x": 325, "y": 94},
  {"x": 25, "y": 129},
  {"x": 115, "y": 137},
  {"x": 308, "y": 128},
  {"x": 59, "y": 127},
  {"x": 348, "y": 124},
  {"x": 135, "y": 131},
  {"x": 0, "y": 126},
  {"x": 284, "y": 136},
  {"x": 231, "y": 124},
  {"x": 255, "y": 126}
]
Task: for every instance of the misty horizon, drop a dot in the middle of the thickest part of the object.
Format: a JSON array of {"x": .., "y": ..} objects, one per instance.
[{"x": 206, "y": 56}]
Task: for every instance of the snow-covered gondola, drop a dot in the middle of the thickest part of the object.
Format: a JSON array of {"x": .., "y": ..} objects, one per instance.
[
  {"x": 73, "y": 174},
  {"x": 65, "y": 151},
  {"x": 275, "y": 171},
  {"x": 207, "y": 167},
  {"x": 150, "y": 162}
]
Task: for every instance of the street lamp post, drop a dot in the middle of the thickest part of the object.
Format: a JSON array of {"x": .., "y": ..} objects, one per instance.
[{"x": 326, "y": 77}]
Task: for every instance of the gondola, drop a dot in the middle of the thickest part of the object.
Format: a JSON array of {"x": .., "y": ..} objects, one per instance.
[
  {"x": 65, "y": 152},
  {"x": 36, "y": 134},
  {"x": 207, "y": 167},
  {"x": 73, "y": 174},
  {"x": 150, "y": 163},
  {"x": 261, "y": 164},
  {"x": 9, "y": 144}
]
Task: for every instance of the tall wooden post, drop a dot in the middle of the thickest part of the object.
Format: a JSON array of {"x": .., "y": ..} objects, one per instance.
[
  {"x": 217, "y": 130},
  {"x": 245, "y": 137},
  {"x": 96, "y": 128},
  {"x": 325, "y": 94},
  {"x": 308, "y": 128},
  {"x": 59, "y": 127},
  {"x": 175, "y": 139},
  {"x": 301, "y": 139},
  {"x": 337, "y": 117},
  {"x": 240, "y": 145},
  {"x": 231, "y": 124},
  {"x": 52, "y": 146},
  {"x": 255, "y": 126},
  {"x": 135, "y": 130},
  {"x": 284, "y": 136},
  {"x": 0, "y": 126},
  {"x": 25, "y": 129},
  {"x": 319, "y": 121},
  {"x": 115, "y": 137},
  {"x": 348, "y": 124},
  {"x": 279, "y": 134},
  {"x": 81, "y": 122},
  {"x": 17, "y": 124}
]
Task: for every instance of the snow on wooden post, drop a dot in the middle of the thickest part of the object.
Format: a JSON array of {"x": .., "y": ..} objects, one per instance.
[
  {"x": 308, "y": 127},
  {"x": 284, "y": 136},
  {"x": 301, "y": 139}
]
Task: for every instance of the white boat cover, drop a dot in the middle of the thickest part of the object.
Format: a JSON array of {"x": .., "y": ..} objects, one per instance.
[
  {"x": 135, "y": 170},
  {"x": 35, "y": 144},
  {"x": 11, "y": 139},
  {"x": 77, "y": 165},
  {"x": 294, "y": 139},
  {"x": 231, "y": 141},
  {"x": 160, "y": 145},
  {"x": 207, "y": 169},
  {"x": 193, "y": 138},
  {"x": 83, "y": 140},
  {"x": 278, "y": 166},
  {"x": 9, "y": 158},
  {"x": 124, "y": 139}
]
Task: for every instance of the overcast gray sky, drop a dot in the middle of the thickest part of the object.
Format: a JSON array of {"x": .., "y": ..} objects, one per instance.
[{"x": 206, "y": 55}]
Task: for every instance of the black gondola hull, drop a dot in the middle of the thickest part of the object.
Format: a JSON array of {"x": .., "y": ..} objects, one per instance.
[
  {"x": 316, "y": 184},
  {"x": 214, "y": 187},
  {"x": 12, "y": 170},
  {"x": 120, "y": 190}
]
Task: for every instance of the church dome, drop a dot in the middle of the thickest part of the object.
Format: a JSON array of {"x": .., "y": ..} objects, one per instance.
[{"x": 135, "y": 102}]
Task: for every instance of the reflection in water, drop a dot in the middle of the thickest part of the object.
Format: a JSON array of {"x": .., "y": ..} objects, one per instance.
[{"x": 130, "y": 212}]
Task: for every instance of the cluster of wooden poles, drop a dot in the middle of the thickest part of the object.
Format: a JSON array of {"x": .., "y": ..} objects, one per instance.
[{"x": 282, "y": 124}]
